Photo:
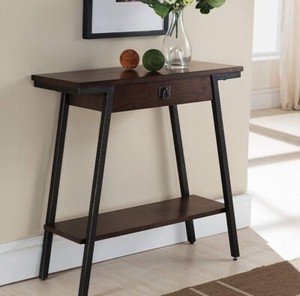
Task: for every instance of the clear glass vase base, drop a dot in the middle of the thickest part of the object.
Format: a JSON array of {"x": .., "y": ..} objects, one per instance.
[
  {"x": 176, "y": 60},
  {"x": 177, "y": 66}
]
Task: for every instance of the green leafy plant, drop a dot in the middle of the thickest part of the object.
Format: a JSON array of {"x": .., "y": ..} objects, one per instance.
[{"x": 164, "y": 7}]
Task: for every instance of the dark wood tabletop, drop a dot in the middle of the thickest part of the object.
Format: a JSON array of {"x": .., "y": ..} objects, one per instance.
[{"x": 138, "y": 88}]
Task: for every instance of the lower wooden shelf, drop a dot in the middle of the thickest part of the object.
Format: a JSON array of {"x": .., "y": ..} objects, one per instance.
[{"x": 125, "y": 221}]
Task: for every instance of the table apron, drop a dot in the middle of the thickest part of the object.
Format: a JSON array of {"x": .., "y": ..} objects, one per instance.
[{"x": 148, "y": 95}]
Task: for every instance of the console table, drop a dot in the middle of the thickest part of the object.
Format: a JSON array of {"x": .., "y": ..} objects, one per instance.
[{"x": 116, "y": 90}]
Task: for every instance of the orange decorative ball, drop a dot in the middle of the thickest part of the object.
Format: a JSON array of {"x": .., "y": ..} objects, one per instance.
[{"x": 129, "y": 59}]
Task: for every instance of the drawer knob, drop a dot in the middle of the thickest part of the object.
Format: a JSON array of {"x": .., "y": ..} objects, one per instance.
[{"x": 164, "y": 92}]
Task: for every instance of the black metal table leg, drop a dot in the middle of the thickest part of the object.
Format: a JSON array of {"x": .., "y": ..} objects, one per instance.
[
  {"x": 184, "y": 187},
  {"x": 54, "y": 185},
  {"x": 223, "y": 161},
  {"x": 96, "y": 194}
]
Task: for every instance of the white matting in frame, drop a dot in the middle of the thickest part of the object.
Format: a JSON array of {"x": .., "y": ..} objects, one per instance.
[{"x": 112, "y": 18}]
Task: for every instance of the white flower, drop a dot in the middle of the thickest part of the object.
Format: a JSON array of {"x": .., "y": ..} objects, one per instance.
[{"x": 171, "y": 2}]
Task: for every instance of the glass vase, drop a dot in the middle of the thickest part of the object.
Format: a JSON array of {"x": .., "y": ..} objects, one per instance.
[{"x": 176, "y": 45}]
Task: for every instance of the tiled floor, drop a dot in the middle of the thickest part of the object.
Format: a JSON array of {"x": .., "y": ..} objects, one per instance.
[{"x": 274, "y": 179}]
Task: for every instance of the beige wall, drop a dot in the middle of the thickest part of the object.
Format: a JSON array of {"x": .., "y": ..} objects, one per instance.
[
  {"x": 45, "y": 36},
  {"x": 265, "y": 73}
]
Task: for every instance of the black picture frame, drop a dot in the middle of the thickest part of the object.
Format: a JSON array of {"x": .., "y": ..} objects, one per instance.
[{"x": 92, "y": 31}]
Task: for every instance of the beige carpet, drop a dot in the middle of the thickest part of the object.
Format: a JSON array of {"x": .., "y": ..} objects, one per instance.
[{"x": 280, "y": 279}]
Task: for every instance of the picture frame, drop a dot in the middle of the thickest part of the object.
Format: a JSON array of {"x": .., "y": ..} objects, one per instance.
[{"x": 120, "y": 18}]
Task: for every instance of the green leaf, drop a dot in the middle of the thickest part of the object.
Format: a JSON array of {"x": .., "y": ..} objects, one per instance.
[
  {"x": 161, "y": 10},
  {"x": 215, "y": 3},
  {"x": 200, "y": 4},
  {"x": 203, "y": 6},
  {"x": 205, "y": 10}
]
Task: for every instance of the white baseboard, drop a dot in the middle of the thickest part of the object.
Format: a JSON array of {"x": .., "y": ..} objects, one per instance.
[
  {"x": 20, "y": 260},
  {"x": 265, "y": 98}
]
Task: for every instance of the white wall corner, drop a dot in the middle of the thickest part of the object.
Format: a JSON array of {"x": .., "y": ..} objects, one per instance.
[
  {"x": 20, "y": 260},
  {"x": 265, "y": 98}
]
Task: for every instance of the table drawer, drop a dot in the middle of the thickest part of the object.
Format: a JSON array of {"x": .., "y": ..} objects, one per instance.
[
  {"x": 162, "y": 93},
  {"x": 150, "y": 94}
]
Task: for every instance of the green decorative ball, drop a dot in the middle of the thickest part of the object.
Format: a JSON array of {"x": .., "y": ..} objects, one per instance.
[{"x": 153, "y": 60}]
